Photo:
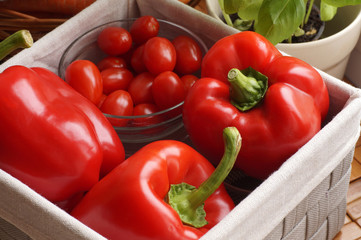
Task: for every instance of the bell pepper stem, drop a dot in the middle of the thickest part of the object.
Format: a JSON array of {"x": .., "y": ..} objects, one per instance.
[
  {"x": 247, "y": 87},
  {"x": 232, "y": 141},
  {"x": 188, "y": 201},
  {"x": 19, "y": 39}
]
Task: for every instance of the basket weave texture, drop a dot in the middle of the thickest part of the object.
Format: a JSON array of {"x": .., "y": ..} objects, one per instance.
[{"x": 321, "y": 214}]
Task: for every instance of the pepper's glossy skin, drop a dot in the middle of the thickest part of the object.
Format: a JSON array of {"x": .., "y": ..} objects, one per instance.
[
  {"x": 112, "y": 147},
  {"x": 129, "y": 202},
  {"x": 290, "y": 114},
  {"x": 52, "y": 138}
]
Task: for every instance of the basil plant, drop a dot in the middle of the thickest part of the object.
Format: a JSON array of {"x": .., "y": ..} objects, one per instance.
[{"x": 277, "y": 20}]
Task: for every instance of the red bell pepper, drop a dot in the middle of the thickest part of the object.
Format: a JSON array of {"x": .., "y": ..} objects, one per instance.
[
  {"x": 159, "y": 193},
  {"x": 277, "y": 103},
  {"x": 112, "y": 147},
  {"x": 53, "y": 139}
]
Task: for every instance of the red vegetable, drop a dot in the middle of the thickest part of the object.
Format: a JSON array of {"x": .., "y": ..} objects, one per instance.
[
  {"x": 188, "y": 81},
  {"x": 144, "y": 28},
  {"x": 274, "y": 123},
  {"x": 168, "y": 90},
  {"x": 114, "y": 41},
  {"x": 113, "y": 151},
  {"x": 140, "y": 88},
  {"x": 146, "y": 109},
  {"x": 159, "y": 55},
  {"x": 85, "y": 78},
  {"x": 118, "y": 103},
  {"x": 136, "y": 60},
  {"x": 100, "y": 103},
  {"x": 110, "y": 61},
  {"x": 189, "y": 55},
  {"x": 53, "y": 139},
  {"x": 115, "y": 79},
  {"x": 166, "y": 190}
]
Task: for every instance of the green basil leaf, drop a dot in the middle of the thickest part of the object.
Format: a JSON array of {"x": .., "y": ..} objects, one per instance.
[
  {"x": 342, "y": 3},
  {"x": 232, "y": 6},
  {"x": 327, "y": 12},
  {"x": 250, "y": 10},
  {"x": 278, "y": 20}
]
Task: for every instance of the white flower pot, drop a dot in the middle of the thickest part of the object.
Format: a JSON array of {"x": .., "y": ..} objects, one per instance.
[
  {"x": 331, "y": 53},
  {"x": 353, "y": 70}
]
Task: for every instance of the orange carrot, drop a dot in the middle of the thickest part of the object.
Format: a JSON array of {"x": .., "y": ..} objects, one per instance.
[{"x": 70, "y": 7}]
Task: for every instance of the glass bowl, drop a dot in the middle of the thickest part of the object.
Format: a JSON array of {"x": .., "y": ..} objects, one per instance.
[{"x": 133, "y": 137}]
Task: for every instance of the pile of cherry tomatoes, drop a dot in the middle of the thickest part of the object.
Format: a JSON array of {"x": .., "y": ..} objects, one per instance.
[{"x": 142, "y": 74}]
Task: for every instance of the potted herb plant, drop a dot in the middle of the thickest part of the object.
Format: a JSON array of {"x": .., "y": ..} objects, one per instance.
[{"x": 283, "y": 22}]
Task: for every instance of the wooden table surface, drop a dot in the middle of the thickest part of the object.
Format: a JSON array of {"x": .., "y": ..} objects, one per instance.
[{"x": 352, "y": 227}]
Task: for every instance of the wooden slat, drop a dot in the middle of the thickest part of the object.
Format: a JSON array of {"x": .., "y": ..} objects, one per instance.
[
  {"x": 352, "y": 228},
  {"x": 350, "y": 231},
  {"x": 355, "y": 170}
]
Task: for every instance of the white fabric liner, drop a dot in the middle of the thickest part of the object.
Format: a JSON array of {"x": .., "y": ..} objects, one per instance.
[{"x": 266, "y": 206}]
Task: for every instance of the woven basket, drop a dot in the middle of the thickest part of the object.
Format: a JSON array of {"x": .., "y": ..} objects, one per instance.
[
  {"x": 304, "y": 199},
  {"x": 320, "y": 216},
  {"x": 322, "y": 213}
]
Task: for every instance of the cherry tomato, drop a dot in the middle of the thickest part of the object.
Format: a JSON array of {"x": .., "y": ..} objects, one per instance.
[
  {"x": 189, "y": 55},
  {"x": 188, "y": 81},
  {"x": 114, "y": 40},
  {"x": 118, "y": 103},
  {"x": 140, "y": 88},
  {"x": 102, "y": 98},
  {"x": 144, "y": 28},
  {"x": 115, "y": 79},
  {"x": 168, "y": 90},
  {"x": 145, "y": 109},
  {"x": 111, "y": 61},
  {"x": 159, "y": 55},
  {"x": 85, "y": 78},
  {"x": 136, "y": 60}
]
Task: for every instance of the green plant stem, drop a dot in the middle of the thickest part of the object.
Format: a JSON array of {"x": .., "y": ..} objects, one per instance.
[
  {"x": 227, "y": 18},
  {"x": 308, "y": 12},
  {"x": 19, "y": 39},
  {"x": 290, "y": 39}
]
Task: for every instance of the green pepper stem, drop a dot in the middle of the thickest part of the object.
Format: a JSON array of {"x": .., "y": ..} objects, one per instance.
[
  {"x": 19, "y": 39},
  {"x": 232, "y": 141},
  {"x": 188, "y": 201},
  {"x": 247, "y": 87}
]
